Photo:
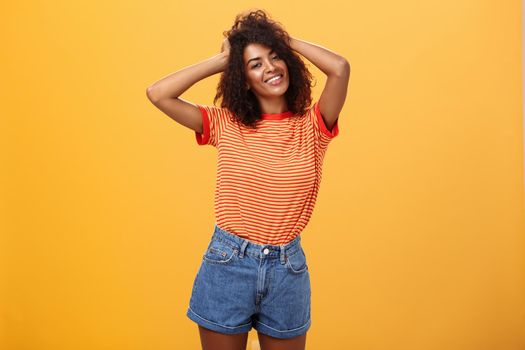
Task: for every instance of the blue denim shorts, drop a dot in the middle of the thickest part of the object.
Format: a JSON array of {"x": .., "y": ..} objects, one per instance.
[{"x": 242, "y": 284}]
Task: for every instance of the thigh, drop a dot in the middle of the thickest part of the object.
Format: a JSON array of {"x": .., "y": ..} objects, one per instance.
[
  {"x": 270, "y": 343},
  {"x": 211, "y": 340}
]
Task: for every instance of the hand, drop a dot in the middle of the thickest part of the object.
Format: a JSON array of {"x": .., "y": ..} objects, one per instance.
[
  {"x": 225, "y": 46},
  {"x": 292, "y": 42}
]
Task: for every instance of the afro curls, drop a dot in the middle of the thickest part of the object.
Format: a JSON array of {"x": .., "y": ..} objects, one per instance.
[{"x": 257, "y": 27}]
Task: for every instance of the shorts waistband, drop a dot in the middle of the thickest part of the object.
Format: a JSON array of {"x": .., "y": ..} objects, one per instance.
[{"x": 256, "y": 249}]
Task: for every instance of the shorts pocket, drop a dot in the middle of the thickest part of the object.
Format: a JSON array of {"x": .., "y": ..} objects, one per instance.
[
  {"x": 219, "y": 253},
  {"x": 296, "y": 263}
]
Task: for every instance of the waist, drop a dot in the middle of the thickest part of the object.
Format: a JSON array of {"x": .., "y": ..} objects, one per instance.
[{"x": 256, "y": 249}]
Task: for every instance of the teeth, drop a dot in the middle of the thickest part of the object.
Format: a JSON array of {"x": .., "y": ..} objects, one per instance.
[{"x": 274, "y": 78}]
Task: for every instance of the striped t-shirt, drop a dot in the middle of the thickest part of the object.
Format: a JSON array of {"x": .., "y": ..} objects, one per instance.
[{"x": 267, "y": 178}]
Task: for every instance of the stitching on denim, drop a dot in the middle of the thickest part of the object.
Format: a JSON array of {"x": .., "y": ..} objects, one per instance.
[
  {"x": 289, "y": 264},
  {"x": 294, "y": 270},
  {"x": 293, "y": 252},
  {"x": 227, "y": 242},
  {"x": 220, "y": 325},
  {"x": 289, "y": 330},
  {"x": 234, "y": 245},
  {"x": 214, "y": 261}
]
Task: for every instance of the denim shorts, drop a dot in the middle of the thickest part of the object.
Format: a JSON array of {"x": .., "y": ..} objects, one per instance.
[{"x": 241, "y": 284}]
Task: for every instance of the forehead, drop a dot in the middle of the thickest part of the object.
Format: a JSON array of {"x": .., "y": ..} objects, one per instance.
[{"x": 255, "y": 50}]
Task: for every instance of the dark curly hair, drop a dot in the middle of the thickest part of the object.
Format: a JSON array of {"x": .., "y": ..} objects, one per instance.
[{"x": 257, "y": 27}]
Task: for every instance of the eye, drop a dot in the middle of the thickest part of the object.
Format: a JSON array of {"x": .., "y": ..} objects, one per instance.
[
  {"x": 276, "y": 57},
  {"x": 256, "y": 65}
]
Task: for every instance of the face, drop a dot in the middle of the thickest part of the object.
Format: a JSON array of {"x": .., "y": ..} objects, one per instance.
[{"x": 266, "y": 72}]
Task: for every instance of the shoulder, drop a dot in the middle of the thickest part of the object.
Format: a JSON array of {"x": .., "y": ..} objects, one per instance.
[
  {"x": 216, "y": 113},
  {"x": 317, "y": 119}
]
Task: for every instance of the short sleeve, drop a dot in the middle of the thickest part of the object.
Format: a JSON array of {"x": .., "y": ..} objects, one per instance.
[
  {"x": 214, "y": 120},
  {"x": 320, "y": 127}
]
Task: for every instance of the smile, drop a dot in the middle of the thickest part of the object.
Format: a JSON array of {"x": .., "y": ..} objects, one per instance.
[{"x": 275, "y": 80}]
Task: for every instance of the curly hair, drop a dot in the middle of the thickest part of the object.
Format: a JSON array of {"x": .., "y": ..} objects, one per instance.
[{"x": 257, "y": 27}]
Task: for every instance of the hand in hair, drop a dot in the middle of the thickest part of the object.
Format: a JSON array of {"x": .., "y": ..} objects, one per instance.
[{"x": 225, "y": 46}]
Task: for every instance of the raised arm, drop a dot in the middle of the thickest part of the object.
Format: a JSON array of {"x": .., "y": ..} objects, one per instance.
[
  {"x": 337, "y": 70},
  {"x": 164, "y": 94}
]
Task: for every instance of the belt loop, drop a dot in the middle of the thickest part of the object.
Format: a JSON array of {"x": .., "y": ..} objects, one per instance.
[
  {"x": 282, "y": 255},
  {"x": 243, "y": 247}
]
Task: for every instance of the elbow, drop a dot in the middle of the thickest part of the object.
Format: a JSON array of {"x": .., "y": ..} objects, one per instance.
[
  {"x": 151, "y": 94},
  {"x": 343, "y": 68}
]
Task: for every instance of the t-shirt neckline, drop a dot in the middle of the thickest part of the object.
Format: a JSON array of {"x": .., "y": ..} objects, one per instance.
[{"x": 276, "y": 116}]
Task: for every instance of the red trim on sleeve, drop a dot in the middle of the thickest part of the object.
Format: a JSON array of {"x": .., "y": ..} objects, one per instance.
[
  {"x": 202, "y": 139},
  {"x": 322, "y": 125}
]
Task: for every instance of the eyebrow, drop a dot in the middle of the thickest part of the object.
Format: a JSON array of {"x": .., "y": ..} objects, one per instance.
[{"x": 258, "y": 58}]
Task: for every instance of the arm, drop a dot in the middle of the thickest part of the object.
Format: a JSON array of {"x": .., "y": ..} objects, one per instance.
[
  {"x": 337, "y": 70},
  {"x": 164, "y": 94}
]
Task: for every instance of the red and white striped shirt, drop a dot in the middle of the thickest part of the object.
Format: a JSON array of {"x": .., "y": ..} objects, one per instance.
[{"x": 267, "y": 178}]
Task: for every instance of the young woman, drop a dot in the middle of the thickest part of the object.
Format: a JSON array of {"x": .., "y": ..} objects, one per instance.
[{"x": 271, "y": 145}]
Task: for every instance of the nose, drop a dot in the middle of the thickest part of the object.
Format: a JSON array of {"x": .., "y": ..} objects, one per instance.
[{"x": 269, "y": 66}]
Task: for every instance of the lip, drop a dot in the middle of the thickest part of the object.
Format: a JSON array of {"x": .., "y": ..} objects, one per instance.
[{"x": 276, "y": 81}]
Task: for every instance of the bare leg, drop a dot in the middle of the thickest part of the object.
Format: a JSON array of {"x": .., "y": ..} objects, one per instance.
[
  {"x": 271, "y": 343},
  {"x": 211, "y": 340}
]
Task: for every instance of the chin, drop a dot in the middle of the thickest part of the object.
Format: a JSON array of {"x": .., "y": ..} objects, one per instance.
[{"x": 282, "y": 92}]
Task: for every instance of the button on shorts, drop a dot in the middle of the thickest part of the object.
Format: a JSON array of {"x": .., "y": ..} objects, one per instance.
[{"x": 241, "y": 284}]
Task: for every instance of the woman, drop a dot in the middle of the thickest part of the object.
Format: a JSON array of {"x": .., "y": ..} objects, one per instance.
[{"x": 271, "y": 146}]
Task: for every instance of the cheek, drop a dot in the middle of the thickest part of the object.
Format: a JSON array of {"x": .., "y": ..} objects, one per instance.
[
  {"x": 284, "y": 66},
  {"x": 252, "y": 77}
]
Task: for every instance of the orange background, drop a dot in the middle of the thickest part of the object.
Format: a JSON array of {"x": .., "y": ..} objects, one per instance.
[{"x": 417, "y": 240}]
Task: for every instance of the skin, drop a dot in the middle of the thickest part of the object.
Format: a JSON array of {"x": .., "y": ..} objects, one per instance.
[
  {"x": 164, "y": 94},
  {"x": 260, "y": 64},
  {"x": 211, "y": 340}
]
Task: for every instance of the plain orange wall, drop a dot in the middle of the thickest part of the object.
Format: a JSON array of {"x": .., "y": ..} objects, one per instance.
[{"x": 417, "y": 239}]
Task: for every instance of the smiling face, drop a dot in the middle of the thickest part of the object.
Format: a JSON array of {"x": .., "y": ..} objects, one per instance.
[{"x": 266, "y": 72}]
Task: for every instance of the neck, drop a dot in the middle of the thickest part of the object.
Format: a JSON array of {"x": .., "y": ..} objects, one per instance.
[{"x": 273, "y": 106}]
